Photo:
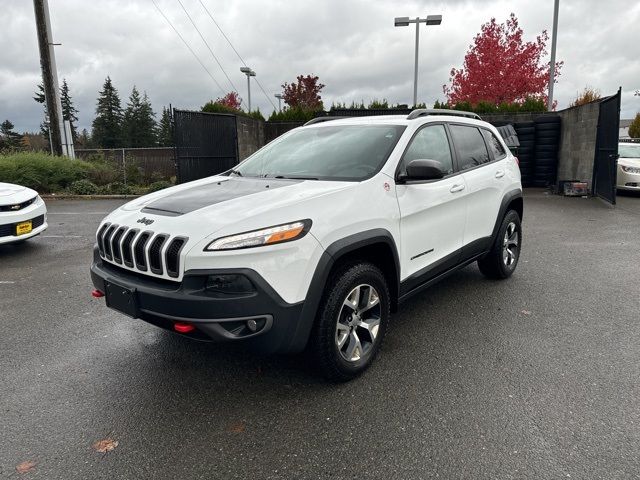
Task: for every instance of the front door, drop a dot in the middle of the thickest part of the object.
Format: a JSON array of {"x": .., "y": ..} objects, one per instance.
[{"x": 432, "y": 213}]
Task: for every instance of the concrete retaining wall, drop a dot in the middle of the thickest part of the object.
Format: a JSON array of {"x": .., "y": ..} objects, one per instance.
[{"x": 250, "y": 136}]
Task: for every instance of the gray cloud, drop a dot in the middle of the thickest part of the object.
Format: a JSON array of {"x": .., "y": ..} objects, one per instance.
[{"x": 351, "y": 44}]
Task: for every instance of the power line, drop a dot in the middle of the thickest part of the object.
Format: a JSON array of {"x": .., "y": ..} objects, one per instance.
[
  {"x": 187, "y": 45},
  {"x": 236, "y": 51},
  {"x": 207, "y": 45}
]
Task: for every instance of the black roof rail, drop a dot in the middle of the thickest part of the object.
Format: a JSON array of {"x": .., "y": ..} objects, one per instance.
[
  {"x": 423, "y": 112},
  {"x": 323, "y": 119}
]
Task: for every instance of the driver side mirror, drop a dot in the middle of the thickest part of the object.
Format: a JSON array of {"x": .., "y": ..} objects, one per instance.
[{"x": 423, "y": 169}]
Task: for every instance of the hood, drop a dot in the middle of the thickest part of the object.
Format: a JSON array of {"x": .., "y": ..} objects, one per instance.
[
  {"x": 235, "y": 203},
  {"x": 223, "y": 190},
  {"x": 7, "y": 189}
]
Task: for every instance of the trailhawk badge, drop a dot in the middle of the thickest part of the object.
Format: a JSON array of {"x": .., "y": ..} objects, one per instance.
[{"x": 146, "y": 221}]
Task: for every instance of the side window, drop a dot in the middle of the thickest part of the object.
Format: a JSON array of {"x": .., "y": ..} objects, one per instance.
[
  {"x": 429, "y": 143},
  {"x": 494, "y": 144},
  {"x": 470, "y": 146}
]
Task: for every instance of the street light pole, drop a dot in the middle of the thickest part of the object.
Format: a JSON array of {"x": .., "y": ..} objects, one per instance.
[
  {"x": 279, "y": 96},
  {"x": 552, "y": 66},
  {"x": 404, "y": 22},
  {"x": 249, "y": 73}
]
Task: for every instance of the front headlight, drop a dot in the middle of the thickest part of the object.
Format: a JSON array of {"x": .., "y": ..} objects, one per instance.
[
  {"x": 630, "y": 169},
  {"x": 265, "y": 236}
]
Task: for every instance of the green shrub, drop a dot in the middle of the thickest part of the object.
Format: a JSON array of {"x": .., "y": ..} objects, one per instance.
[
  {"x": 42, "y": 172},
  {"x": 292, "y": 114},
  {"x": 84, "y": 187},
  {"x": 103, "y": 173},
  {"x": 116, "y": 188},
  {"x": 161, "y": 185}
]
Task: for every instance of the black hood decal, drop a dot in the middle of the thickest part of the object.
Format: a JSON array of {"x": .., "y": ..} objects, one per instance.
[{"x": 202, "y": 196}]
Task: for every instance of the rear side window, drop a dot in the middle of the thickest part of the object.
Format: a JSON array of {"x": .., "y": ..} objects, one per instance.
[
  {"x": 470, "y": 146},
  {"x": 494, "y": 144},
  {"x": 430, "y": 143}
]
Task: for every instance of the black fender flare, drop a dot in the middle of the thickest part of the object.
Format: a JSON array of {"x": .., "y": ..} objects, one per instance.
[
  {"x": 330, "y": 256},
  {"x": 508, "y": 198}
]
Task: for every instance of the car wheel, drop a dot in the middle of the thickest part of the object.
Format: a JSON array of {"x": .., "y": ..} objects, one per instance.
[
  {"x": 351, "y": 322},
  {"x": 502, "y": 260}
]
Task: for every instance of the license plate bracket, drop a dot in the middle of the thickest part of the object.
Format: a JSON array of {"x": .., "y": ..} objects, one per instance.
[{"x": 121, "y": 298}]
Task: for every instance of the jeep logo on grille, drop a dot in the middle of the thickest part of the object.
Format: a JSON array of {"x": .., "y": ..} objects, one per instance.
[{"x": 146, "y": 221}]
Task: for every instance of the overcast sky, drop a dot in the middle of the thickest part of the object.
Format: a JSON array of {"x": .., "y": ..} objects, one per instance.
[{"x": 351, "y": 45}]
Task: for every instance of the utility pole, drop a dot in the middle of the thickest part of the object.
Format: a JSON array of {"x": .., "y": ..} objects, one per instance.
[
  {"x": 49, "y": 76},
  {"x": 552, "y": 66}
]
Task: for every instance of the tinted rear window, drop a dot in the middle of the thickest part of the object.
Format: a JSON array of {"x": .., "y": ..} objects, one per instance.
[{"x": 470, "y": 146}]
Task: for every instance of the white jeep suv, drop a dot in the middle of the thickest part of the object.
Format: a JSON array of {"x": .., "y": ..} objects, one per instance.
[{"x": 315, "y": 238}]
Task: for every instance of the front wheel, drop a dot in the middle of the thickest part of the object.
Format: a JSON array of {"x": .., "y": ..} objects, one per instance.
[
  {"x": 351, "y": 321},
  {"x": 503, "y": 258}
]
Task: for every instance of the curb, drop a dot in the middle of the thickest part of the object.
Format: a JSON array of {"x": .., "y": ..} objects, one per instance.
[{"x": 53, "y": 196}]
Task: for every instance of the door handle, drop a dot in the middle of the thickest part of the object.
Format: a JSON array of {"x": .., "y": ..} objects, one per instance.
[
  {"x": 500, "y": 174},
  {"x": 457, "y": 188}
]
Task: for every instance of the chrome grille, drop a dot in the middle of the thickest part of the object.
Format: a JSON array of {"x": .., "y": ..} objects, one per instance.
[{"x": 143, "y": 251}]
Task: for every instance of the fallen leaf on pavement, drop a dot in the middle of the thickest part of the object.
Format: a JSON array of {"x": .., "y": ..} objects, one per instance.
[
  {"x": 25, "y": 467},
  {"x": 105, "y": 446},
  {"x": 526, "y": 312},
  {"x": 237, "y": 427}
]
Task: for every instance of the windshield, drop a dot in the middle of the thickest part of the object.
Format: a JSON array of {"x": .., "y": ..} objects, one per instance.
[
  {"x": 629, "y": 150},
  {"x": 345, "y": 152}
]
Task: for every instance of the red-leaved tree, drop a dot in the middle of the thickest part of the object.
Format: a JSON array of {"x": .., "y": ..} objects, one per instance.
[
  {"x": 500, "y": 67},
  {"x": 230, "y": 100},
  {"x": 305, "y": 93}
]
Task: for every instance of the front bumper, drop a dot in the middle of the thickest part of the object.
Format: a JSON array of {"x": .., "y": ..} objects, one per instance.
[
  {"x": 36, "y": 213},
  {"x": 215, "y": 317}
]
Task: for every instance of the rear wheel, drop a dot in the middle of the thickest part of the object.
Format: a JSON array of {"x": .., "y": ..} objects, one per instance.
[
  {"x": 352, "y": 321},
  {"x": 503, "y": 258}
]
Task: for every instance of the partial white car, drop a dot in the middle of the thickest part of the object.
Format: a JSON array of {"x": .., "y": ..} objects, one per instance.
[
  {"x": 23, "y": 214},
  {"x": 629, "y": 166}
]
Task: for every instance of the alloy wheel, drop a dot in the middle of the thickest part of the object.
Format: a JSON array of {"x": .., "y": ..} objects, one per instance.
[
  {"x": 358, "y": 323},
  {"x": 510, "y": 245}
]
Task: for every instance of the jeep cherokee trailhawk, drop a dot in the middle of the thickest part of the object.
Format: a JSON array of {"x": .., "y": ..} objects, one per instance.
[{"x": 314, "y": 239}]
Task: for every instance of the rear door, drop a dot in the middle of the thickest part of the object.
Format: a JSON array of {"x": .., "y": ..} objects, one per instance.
[
  {"x": 433, "y": 212},
  {"x": 482, "y": 160}
]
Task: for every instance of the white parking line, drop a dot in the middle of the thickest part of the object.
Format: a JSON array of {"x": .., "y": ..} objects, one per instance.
[
  {"x": 62, "y": 236},
  {"x": 77, "y": 213}
]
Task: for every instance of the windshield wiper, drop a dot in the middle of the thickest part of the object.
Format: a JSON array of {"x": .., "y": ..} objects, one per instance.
[
  {"x": 236, "y": 172},
  {"x": 295, "y": 177}
]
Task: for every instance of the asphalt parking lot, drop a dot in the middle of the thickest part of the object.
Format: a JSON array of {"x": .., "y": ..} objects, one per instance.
[{"x": 535, "y": 377}]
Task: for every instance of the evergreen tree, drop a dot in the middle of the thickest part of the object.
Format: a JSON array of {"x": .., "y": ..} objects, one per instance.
[
  {"x": 164, "y": 129},
  {"x": 8, "y": 138},
  {"x": 84, "y": 141},
  {"x": 107, "y": 126},
  {"x": 44, "y": 125},
  {"x": 139, "y": 125},
  {"x": 68, "y": 110}
]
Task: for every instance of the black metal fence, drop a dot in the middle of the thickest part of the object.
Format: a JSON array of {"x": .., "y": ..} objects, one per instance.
[
  {"x": 205, "y": 144},
  {"x": 605, "y": 166}
]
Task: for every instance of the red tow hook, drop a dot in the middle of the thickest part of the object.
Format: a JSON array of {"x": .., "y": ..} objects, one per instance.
[
  {"x": 95, "y": 293},
  {"x": 181, "y": 327}
]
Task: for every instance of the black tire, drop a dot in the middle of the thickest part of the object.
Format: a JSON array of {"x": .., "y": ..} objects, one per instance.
[
  {"x": 526, "y": 131},
  {"x": 329, "y": 357},
  {"x": 519, "y": 125},
  {"x": 547, "y": 127},
  {"x": 542, "y": 119},
  {"x": 546, "y": 148},
  {"x": 494, "y": 265},
  {"x": 546, "y": 135}
]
